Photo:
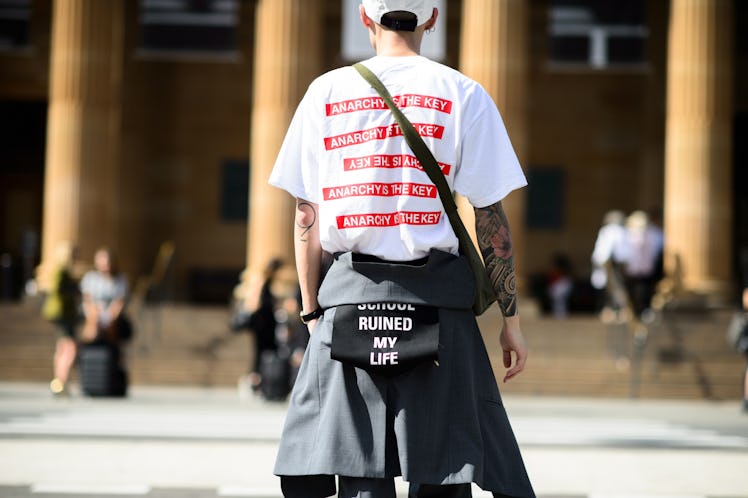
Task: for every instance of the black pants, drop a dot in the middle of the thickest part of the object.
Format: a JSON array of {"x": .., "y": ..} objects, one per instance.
[{"x": 323, "y": 486}]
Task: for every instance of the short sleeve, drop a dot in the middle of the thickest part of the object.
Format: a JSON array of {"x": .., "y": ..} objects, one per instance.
[
  {"x": 296, "y": 167},
  {"x": 87, "y": 283},
  {"x": 489, "y": 168}
]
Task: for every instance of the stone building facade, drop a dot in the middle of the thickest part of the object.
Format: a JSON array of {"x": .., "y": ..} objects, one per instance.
[{"x": 119, "y": 131}]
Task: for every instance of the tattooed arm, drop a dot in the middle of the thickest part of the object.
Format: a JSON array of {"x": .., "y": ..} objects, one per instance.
[
  {"x": 308, "y": 253},
  {"x": 495, "y": 242}
]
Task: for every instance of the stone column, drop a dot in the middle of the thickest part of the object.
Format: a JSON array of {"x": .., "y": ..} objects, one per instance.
[
  {"x": 494, "y": 52},
  {"x": 83, "y": 127},
  {"x": 287, "y": 54},
  {"x": 698, "y": 143}
]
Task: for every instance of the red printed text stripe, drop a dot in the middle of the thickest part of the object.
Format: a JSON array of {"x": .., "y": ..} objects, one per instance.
[
  {"x": 387, "y": 161},
  {"x": 380, "y": 133},
  {"x": 388, "y": 219},
  {"x": 379, "y": 189},
  {"x": 376, "y": 103}
]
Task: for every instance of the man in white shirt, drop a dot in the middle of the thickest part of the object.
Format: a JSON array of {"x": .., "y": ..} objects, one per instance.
[
  {"x": 362, "y": 196},
  {"x": 610, "y": 245}
]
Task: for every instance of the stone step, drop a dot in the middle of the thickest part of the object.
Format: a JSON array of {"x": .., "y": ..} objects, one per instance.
[{"x": 185, "y": 345}]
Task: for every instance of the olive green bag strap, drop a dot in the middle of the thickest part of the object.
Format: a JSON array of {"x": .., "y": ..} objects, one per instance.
[{"x": 484, "y": 295}]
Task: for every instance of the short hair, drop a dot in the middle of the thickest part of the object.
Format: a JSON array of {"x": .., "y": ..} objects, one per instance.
[{"x": 400, "y": 20}]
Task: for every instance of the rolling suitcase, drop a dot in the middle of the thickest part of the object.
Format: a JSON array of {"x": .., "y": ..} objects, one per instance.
[
  {"x": 276, "y": 376},
  {"x": 101, "y": 372}
]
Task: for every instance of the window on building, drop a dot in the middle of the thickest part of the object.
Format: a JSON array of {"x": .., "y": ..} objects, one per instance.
[
  {"x": 597, "y": 33},
  {"x": 185, "y": 28},
  {"x": 545, "y": 198},
  {"x": 235, "y": 190},
  {"x": 15, "y": 16}
]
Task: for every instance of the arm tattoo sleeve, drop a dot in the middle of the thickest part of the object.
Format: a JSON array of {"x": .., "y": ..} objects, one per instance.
[
  {"x": 495, "y": 244},
  {"x": 306, "y": 219}
]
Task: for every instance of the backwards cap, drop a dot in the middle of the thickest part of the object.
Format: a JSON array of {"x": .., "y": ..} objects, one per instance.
[{"x": 422, "y": 9}]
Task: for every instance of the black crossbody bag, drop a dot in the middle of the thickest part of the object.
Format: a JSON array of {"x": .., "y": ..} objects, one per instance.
[{"x": 385, "y": 338}]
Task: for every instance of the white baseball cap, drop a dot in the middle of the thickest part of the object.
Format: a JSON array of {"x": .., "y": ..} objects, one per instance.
[{"x": 422, "y": 9}]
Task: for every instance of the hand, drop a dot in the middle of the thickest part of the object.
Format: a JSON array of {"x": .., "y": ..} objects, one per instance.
[
  {"x": 90, "y": 331},
  {"x": 512, "y": 340},
  {"x": 311, "y": 324}
]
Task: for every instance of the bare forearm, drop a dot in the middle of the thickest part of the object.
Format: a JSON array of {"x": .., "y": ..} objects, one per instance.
[
  {"x": 115, "y": 308},
  {"x": 89, "y": 307},
  {"x": 308, "y": 252},
  {"x": 495, "y": 242}
]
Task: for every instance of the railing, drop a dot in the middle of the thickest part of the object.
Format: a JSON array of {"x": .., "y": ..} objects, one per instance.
[
  {"x": 674, "y": 310},
  {"x": 150, "y": 288},
  {"x": 627, "y": 333}
]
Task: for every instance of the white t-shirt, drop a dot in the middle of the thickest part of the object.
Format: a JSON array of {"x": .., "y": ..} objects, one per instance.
[
  {"x": 345, "y": 152},
  {"x": 103, "y": 290}
]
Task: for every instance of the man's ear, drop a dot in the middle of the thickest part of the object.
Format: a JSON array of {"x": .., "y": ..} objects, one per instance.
[
  {"x": 365, "y": 20},
  {"x": 432, "y": 21}
]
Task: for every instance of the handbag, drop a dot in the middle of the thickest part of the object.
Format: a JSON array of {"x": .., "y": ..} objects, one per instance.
[
  {"x": 124, "y": 327},
  {"x": 385, "y": 338},
  {"x": 737, "y": 332},
  {"x": 52, "y": 308},
  {"x": 242, "y": 320},
  {"x": 484, "y": 292}
]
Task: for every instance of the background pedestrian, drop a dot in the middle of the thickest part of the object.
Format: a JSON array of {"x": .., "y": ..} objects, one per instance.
[{"x": 61, "y": 307}]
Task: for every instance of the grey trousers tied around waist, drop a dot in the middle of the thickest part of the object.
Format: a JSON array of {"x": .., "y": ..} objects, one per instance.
[{"x": 440, "y": 424}]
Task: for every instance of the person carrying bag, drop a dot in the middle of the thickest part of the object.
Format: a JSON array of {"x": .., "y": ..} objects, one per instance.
[{"x": 396, "y": 379}]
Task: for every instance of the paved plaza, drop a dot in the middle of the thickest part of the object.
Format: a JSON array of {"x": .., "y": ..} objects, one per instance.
[{"x": 195, "y": 443}]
